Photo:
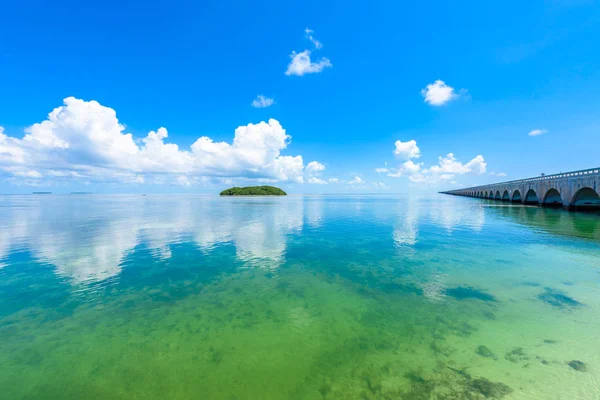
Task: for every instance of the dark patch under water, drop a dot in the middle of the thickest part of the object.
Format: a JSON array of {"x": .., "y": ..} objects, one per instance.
[
  {"x": 468, "y": 292},
  {"x": 558, "y": 299},
  {"x": 489, "y": 389},
  {"x": 578, "y": 365},
  {"x": 515, "y": 355},
  {"x": 484, "y": 351},
  {"x": 530, "y": 283}
]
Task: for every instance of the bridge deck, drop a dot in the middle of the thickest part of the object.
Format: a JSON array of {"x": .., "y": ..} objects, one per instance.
[{"x": 575, "y": 189}]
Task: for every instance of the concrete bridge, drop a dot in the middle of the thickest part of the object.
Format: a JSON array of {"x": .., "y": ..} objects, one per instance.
[{"x": 577, "y": 189}]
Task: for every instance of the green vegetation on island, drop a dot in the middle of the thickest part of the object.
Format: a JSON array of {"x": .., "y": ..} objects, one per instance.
[{"x": 253, "y": 191}]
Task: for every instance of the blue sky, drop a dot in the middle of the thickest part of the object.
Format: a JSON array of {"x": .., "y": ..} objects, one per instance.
[{"x": 507, "y": 69}]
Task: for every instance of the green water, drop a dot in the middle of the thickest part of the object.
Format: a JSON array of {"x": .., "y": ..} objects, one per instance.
[{"x": 372, "y": 297}]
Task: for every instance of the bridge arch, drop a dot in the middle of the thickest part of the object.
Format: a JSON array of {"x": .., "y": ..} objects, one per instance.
[
  {"x": 516, "y": 197},
  {"x": 498, "y": 197},
  {"x": 586, "y": 197},
  {"x": 485, "y": 194},
  {"x": 552, "y": 198},
  {"x": 505, "y": 196},
  {"x": 491, "y": 196},
  {"x": 531, "y": 197}
]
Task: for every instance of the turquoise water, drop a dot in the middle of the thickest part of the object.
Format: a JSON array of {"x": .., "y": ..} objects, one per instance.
[{"x": 302, "y": 297}]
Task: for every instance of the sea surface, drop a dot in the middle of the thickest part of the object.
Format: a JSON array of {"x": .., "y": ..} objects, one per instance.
[{"x": 298, "y": 297}]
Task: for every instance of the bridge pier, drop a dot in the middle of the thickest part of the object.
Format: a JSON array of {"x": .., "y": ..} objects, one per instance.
[{"x": 571, "y": 190}]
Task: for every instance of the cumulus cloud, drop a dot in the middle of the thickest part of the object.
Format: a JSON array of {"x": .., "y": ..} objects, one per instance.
[
  {"x": 356, "y": 181},
  {"x": 418, "y": 178},
  {"x": 262, "y": 102},
  {"x": 334, "y": 180},
  {"x": 438, "y": 93},
  {"x": 85, "y": 140},
  {"x": 446, "y": 169},
  {"x": 314, "y": 167},
  {"x": 316, "y": 181},
  {"x": 537, "y": 132},
  {"x": 407, "y": 150},
  {"x": 407, "y": 168},
  {"x": 301, "y": 64},
  {"x": 497, "y": 173},
  {"x": 450, "y": 165},
  {"x": 404, "y": 151}
]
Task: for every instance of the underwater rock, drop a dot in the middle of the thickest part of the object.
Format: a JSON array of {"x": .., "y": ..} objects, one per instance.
[
  {"x": 468, "y": 292},
  {"x": 374, "y": 384},
  {"x": 549, "y": 341},
  {"x": 489, "y": 389},
  {"x": 515, "y": 355},
  {"x": 489, "y": 315},
  {"x": 530, "y": 283},
  {"x": 325, "y": 388},
  {"x": 558, "y": 299},
  {"x": 484, "y": 351},
  {"x": 414, "y": 377},
  {"x": 460, "y": 372},
  {"x": 578, "y": 366}
]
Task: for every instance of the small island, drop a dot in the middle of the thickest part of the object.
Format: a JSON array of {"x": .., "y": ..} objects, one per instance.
[{"x": 253, "y": 191}]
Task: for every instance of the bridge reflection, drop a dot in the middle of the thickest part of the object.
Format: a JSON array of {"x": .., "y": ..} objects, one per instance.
[{"x": 555, "y": 221}]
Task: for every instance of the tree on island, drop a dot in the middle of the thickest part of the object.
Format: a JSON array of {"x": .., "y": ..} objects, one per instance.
[{"x": 253, "y": 191}]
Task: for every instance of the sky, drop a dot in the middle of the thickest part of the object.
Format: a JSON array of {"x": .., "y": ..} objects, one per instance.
[{"x": 310, "y": 96}]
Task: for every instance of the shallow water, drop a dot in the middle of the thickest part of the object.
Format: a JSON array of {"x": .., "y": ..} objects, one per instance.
[{"x": 307, "y": 297}]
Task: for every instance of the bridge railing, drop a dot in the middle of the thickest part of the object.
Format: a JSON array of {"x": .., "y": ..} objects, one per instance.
[{"x": 583, "y": 172}]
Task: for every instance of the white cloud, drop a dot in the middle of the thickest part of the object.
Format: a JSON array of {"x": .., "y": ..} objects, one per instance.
[
  {"x": 29, "y": 174},
  {"x": 334, "y": 180},
  {"x": 317, "y": 181},
  {"x": 438, "y": 93},
  {"x": 310, "y": 37},
  {"x": 380, "y": 185},
  {"x": 407, "y": 150},
  {"x": 314, "y": 167},
  {"x": 408, "y": 168},
  {"x": 537, "y": 132},
  {"x": 497, "y": 174},
  {"x": 301, "y": 64},
  {"x": 450, "y": 165},
  {"x": 262, "y": 102},
  {"x": 447, "y": 168},
  {"x": 357, "y": 180},
  {"x": 418, "y": 178},
  {"x": 85, "y": 140},
  {"x": 411, "y": 167}
]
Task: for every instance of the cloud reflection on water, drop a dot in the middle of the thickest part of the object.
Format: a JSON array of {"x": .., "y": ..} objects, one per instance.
[{"x": 87, "y": 238}]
